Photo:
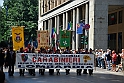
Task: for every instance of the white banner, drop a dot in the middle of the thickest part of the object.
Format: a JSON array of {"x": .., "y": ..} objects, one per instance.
[{"x": 54, "y": 61}]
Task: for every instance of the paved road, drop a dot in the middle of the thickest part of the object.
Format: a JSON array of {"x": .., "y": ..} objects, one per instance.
[{"x": 99, "y": 76}]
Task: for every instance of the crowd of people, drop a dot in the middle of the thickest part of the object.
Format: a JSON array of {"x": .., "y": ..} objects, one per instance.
[
  {"x": 109, "y": 59},
  {"x": 103, "y": 59}
]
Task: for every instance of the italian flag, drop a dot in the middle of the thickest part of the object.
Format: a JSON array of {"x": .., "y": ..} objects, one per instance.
[
  {"x": 112, "y": 17},
  {"x": 53, "y": 33}
]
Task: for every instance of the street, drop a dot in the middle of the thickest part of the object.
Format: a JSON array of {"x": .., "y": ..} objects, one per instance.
[{"x": 99, "y": 76}]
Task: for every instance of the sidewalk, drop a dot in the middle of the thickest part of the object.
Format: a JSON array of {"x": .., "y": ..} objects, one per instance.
[{"x": 108, "y": 71}]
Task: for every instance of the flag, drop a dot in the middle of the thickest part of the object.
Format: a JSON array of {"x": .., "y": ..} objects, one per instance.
[
  {"x": 18, "y": 37},
  {"x": 69, "y": 26},
  {"x": 86, "y": 26},
  {"x": 53, "y": 33},
  {"x": 65, "y": 38},
  {"x": 112, "y": 17},
  {"x": 80, "y": 28}
]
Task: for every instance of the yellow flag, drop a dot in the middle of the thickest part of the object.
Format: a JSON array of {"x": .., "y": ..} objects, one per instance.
[{"x": 18, "y": 37}]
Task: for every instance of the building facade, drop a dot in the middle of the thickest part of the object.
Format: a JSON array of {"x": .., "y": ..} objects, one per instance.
[{"x": 96, "y": 13}]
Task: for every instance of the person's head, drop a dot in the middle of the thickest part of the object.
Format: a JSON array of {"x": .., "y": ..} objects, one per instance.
[
  {"x": 122, "y": 50},
  {"x": 67, "y": 48},
  {"x": 21, "y": 49},
  {"x": 90, "y": 50},
  {"x": 103, "y": 51},
  {"x": 113, "y": 51},
  {"x": 50, "y": 51},
  {"x": 58, "y": 51},
  {"x": 2, "y": 77},
  {"x": 86, "y": 50},
  {"x": 11, "y": 48}
]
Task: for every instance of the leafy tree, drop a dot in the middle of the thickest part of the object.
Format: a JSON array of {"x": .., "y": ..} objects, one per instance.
[{"x": 19, "y": 13}]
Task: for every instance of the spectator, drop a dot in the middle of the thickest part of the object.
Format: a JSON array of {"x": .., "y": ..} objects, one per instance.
[
  {"x": 96, "y": 56},
  {"x": 103, "y": 60},
  {"x": 99, "y": 58},
  {"x": 1, "y": 59},
  {"x": 108, "y": 59},
  {"x": 114, "y": 58},
  {"x": 2, "y": 77},
  {"x": 122, "y": 59}
]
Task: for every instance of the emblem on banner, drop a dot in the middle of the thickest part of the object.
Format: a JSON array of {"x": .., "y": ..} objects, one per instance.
[
  {"x": 86, "y": 58},
  {"x": 18, "y": 38},
  {"x": 24, "y": 57}
]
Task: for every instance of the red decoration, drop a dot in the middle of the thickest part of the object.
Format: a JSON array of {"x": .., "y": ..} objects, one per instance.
[{"x": 86, "y": 26}]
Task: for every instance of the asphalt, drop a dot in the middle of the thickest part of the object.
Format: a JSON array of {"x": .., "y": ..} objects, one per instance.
[{"x": 99, "y": 76}]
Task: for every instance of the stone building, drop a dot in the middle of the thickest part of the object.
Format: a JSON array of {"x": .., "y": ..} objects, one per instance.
[{"x": 106, "y": 19}]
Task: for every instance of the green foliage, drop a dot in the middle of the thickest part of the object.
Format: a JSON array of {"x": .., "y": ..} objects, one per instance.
[{"x": 19, "y": 13}]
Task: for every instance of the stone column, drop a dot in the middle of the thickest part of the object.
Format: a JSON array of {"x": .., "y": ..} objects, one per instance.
[
  {"x": 58, "y": 2},
  {"x": 45, "y": 5},
  {"x": 48, "y": 4},
  {"x": 44, "y": 25},
  {"x": 54, "y": 3},
  {"x": 58, "y": 27},
  {"x": 73, "y": 31},
  {"x": 63, "y": 21},
  {"x": 62, "y": 1},
  {"x": 98, "y": 20},
  {"x": 50, "y": 30},
  {"x": 40, "y": 8},
  {"x": 40, "y": 25},
  {"x": 86, "y": 22},
  {"x": 66, "y": 25},
  {"x": 86, "y": 13},
  {"x": 77, "y": 21}
]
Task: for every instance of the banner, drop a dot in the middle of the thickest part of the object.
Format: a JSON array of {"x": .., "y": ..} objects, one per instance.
[
  {"x": 43, "y": 38},
  {"x": 80, "y": 28},
  {"x": 65, "y": 38},
  {"x": 18, "y": 37},
  {"x": 54, "y": 61}
]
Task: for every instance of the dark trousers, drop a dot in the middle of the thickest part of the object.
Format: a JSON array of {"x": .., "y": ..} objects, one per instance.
[
  {"x": 57, "y": 70},
  {"x": 79, "y": 71},
  {"x": 51, "y": 71},
  {"x": 31, "y": 71},
  {"x": 103, "y": 64},
  {"x": 99, "y": 61},
  {"x": 67, "y": 71},
  {"x": 90, "y": 71},
  {"x": 96, "y": 63},
  {"x": 21, "y": 71},
  {"x": 41, "y": 71},
  {"x": 11, "y": 69},
  {"x": 1, "y": 67},
  {"x": 85, "y": 71}
]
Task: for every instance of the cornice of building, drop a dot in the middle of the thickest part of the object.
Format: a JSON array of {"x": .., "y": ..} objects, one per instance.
[{"x": 57, "y": 7}]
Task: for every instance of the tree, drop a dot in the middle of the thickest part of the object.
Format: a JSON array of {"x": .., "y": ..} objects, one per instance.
[{"x": 19, "y": 13}]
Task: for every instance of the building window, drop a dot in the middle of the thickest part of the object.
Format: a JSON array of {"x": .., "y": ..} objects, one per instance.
[
  {"x": 112, "y": 41},
  {"x": 120, "y": 14},
  {"x": 112, "y": 18},
  {"x": 119, "y": 41}
]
